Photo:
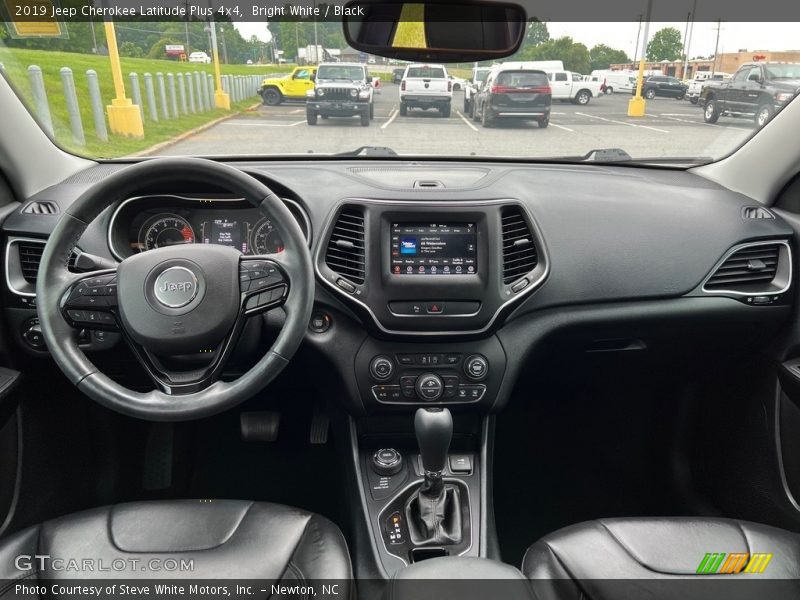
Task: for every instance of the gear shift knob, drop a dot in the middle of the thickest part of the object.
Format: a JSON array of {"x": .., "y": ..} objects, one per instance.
[{"x": 434, "y": 429}]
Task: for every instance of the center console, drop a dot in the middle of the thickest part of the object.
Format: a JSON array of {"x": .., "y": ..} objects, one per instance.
[{"x": 431, "y": 269}]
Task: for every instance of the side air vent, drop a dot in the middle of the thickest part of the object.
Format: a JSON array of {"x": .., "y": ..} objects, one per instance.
[
  {"x": 40, "y": 208},
  {"x": 756, "y": 212},
  {"x": 30, "y": 255},
  {"x": 519, "y": 251},
  {"x": 346, "y": 249},
  {"x": 755, "y": 268}
]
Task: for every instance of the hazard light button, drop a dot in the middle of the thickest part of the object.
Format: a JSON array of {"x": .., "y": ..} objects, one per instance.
[{"x": 434, "y": 308}]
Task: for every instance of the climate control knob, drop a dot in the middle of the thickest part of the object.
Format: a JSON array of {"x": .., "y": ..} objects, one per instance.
[
  {"x": 381, "y": 368},
  {"x": 429, "y": 386},
  {"x": 476, "y": 367}
]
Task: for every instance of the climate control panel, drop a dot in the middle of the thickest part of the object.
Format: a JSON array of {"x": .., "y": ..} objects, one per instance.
[{"x": 400, "y": 374}]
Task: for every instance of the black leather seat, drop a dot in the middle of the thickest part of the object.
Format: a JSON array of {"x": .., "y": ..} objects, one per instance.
[
  {"x": 661, "y": 556},
  {"x": 222, "y": 538}
]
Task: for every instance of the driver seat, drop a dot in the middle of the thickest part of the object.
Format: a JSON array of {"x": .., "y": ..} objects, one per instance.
[{"x": 221, "y": 538}]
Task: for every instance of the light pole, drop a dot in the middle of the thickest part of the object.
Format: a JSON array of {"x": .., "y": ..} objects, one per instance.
[
  {"x": 636, "y": 104},
  {"x": 221, "y": 98}
]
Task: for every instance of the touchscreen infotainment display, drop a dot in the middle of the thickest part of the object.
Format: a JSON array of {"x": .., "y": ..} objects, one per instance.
[{"x": 434, "y": 249}]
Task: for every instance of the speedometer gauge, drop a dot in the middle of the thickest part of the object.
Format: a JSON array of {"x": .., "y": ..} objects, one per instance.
[
  {"x": 165, "y": 230},
  {"x": 266, "y": 239}
]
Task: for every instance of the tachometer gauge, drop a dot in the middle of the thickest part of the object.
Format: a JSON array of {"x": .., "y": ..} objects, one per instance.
[
  {"x": 266, "y": 239},
  {"x": 165, "y": 230}
]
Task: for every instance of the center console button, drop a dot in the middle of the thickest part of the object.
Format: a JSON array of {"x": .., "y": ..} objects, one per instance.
[
  {"x": 429, "y": 360},
  {"x": 429, "y": 386},
  {"x": 381, "y": 368},
  {"x": 387, "y": 461},
  {"x": 434, "y": 308},
  {"x": 476, "y": 367},
  {"x": 452, "y": 359},
  {"x": 405, "y": 359}
]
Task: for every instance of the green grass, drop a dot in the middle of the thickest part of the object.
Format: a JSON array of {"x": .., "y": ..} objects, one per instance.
[{"x": 16, "y": 62}]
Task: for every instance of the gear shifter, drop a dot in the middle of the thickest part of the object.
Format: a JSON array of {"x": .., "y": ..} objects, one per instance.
[
  {"x": 434, "y": 512},
  {"x": 434, "y": 429}
]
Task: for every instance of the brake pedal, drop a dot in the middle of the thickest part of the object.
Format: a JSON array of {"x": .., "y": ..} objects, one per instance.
[{"x": 260, "y": 426}]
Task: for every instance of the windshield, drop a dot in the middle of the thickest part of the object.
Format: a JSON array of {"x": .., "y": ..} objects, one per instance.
[
  {"x": 268, "y": 99},
  {"x": 340, "y": 72}
]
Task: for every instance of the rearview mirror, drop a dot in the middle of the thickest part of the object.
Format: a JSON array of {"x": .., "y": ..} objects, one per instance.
[{"x": 442, "y": 30}]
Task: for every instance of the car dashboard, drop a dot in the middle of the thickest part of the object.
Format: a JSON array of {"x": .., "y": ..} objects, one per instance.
[{"x": 437, "y": 283}]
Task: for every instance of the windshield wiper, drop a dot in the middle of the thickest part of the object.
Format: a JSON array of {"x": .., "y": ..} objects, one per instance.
[{"x": 369, "y": 151}]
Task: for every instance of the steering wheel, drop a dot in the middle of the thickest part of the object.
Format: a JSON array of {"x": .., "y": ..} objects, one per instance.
[{"x": 177, "y": 306}]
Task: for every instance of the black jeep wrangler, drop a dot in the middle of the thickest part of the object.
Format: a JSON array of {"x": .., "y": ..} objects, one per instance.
[{"x": 342, "y": 90}]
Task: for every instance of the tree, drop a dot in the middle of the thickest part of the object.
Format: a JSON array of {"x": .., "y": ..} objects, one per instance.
[
  {"x": 603, "y": 57},
  {"x": 537, "y": 33},
  {"x": 130, "y": 49},
  {"x": 666, "y": 44},
  {"x": 574, "y": 56}
]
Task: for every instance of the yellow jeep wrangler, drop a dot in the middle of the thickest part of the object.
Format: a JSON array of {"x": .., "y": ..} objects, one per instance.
[{"x": 291, "y": 86}]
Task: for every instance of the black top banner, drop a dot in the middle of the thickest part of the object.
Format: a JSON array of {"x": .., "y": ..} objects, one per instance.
[{"x": 336, "y": 10}]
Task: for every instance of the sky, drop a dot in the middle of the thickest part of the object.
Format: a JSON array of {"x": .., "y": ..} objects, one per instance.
[{"x": 733, "y": 36}]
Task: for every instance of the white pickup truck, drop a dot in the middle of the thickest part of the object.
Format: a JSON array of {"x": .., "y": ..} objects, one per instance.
[
  {"x": 566, "y": 85},
  {"x": 426, "y": 86}
]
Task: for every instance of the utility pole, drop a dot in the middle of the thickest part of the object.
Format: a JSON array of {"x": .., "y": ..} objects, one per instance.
[
  {"x": 716, "y": 46},
  {"x": 94, "y": 36},
  {"x": 186, "y": 25},
  {"x": 636, "y": 105},
  {"x": 688, "y": 38},
  {"x": 316, "y": 43},
  {"x": 638, "y": 34}
]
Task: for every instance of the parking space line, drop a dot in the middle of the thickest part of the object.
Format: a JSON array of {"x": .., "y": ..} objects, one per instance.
[
  {"x": 394, "y": 112},
  {"x": 245, "y": 124},
  {"x": 463, "y": 118},
  {"x": 622, "y": 122},
  {"x": 299, "y": 110},
  {"x": 562, "y": 127},
  {"x": 673, "y": 118}
]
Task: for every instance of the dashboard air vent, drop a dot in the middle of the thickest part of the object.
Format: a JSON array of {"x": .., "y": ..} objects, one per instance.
[
  {"x": 750, "y": 265},
  {"x": 346, "y": 249},
  {"x": 756, "y": 212},
  {"x": 30, "y": 254},
  {"x": 519, "y": 251},
  {"x": 40, "y": 208}
]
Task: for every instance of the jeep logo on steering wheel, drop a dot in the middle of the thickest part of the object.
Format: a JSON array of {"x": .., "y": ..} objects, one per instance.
[{"x": 175, "y": 287}]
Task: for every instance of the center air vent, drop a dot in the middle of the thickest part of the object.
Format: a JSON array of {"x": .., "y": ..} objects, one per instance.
[
  {"x": 755, "y": 268},
  {"x": 519, "y": 250},
  {"x": 346, "y": 249}
]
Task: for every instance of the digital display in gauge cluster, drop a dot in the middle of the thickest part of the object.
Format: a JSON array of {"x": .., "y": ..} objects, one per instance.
[{"x": 167, "y": 229}]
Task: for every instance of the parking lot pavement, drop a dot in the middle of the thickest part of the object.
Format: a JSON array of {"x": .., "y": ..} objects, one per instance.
[{"x": 670, "y": 128}]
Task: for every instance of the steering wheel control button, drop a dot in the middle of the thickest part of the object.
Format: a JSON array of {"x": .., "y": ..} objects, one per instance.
[
  {"x": 175, "y": 287},
  {"x": 381, "y": 368},
  {"x": 387, "y": 462},
  {"x": 429, "y": 386},
  {"x": 476, "y": 367}
]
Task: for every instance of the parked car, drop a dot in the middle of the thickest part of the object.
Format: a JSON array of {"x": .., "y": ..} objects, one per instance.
[
  {"x": 617, "y": 81},
  {"x": 479, "y": 75},
  {"x": 200, "y": 57},
  {"x": 567, "y": 85},
  {"x": 397, "y": 75},
  {"x": 292, "y": 86},
  {"x": 756, "y": 91},
  {"x": 341, "y": 90},
  {"x": 700, "y": 79},
  {"x": 663, "y": 86},
  {"x": 426, "y": 87},
  {"x": 511, "y": 93},
  {"x": 458, "y": 82}
]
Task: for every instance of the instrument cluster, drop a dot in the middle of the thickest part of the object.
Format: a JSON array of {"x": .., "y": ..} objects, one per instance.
[{"x": 145, "y": 223}]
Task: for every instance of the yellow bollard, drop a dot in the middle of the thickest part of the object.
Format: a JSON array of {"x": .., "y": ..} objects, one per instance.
[{"x": 124, "y": 117}]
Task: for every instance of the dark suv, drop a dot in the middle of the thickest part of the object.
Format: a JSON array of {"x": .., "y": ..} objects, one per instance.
[
  {"x": 522, "y": 94},
  {"x": 663, "y": 85},
  {"x": 342, "y": 90}
]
